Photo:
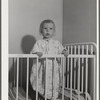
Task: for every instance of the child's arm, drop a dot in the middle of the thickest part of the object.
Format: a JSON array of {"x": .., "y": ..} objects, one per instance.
[
  {"x": 36, "y": 49},
  {"x": 38, "y": 53},
  {"x": 62, "y": 50}
]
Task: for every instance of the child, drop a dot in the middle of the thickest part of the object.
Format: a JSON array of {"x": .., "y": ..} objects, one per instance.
[{"x": 47, "y": 46}]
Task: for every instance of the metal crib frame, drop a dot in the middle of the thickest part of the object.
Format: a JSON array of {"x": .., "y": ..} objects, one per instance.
[{"x": 78, "y": 52}]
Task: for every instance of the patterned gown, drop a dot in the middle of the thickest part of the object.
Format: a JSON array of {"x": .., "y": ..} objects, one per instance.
[{"x": 47, "y": 47}]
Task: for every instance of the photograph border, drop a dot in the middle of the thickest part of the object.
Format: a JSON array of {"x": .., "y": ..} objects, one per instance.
[{"x": 4, "y": 49}]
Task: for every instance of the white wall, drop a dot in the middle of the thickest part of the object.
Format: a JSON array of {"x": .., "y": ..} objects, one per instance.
[
  {"x": 79, "y": 21},
  {"x": 25, "y": 17}
]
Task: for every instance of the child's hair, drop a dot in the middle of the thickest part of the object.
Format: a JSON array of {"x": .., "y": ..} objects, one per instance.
[{"x": 43, "y": 22}]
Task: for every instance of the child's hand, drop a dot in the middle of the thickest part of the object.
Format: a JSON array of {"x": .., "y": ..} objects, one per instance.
[
  {"x": 39, "y": 54},
  {"x": 65, "y": 52}
]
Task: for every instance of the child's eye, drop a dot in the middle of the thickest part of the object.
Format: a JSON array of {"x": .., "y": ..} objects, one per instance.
[
  {"x": 51, "y": 28},
  {"x": 44, "y": 28}
]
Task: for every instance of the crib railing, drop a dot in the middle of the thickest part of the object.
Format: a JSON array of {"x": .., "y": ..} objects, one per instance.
[
  {"x": 86, "y": 62},
  {"x": 78, "y": 75},
  {"x": 16, "y": 59},
  {"x": 75, "y": 71}
]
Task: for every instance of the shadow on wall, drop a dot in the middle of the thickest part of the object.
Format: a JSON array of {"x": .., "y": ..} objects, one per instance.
[{"x": 27, "y": 43}]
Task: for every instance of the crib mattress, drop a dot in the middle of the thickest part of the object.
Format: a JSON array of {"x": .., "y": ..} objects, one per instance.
[{"x": 21, "y": 94}]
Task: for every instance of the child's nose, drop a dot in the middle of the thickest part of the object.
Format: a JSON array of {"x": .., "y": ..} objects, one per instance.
[{"x": 47, "y": 30}]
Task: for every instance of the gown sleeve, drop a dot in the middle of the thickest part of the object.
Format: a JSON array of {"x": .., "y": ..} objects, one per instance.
[
  {"x": 60, "y": 47},
  {"x": 36, "y": 47}
]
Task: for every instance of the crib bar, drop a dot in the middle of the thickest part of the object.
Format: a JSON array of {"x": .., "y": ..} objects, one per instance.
[
  {"x": 86, "y": 84},
  {"x": 78, "y": 78},
  {"x": 94, "y": 93},
  {"x": 37, "y": 79},
  {"x": 71, "y": 71},
  {"x": 71, "y": 80},
  {"x": 46, "y": 79},
  {"x": 70, "y": 55},
  {"x": 74, "y": 68},
  {"x": 91, "y": 49},
  {"x": 78, "y": 72},
  {"x": 85, "y": 43},
  {"x": 71, "y": 49},
  {"x": 17, "y": 78},
  {"x": 80, "y": 56},
  {"x": 14, "y": 71},
  {"x": 86, "y": 77},
  {"x": 21, "y": 72},
  {"x": 34, "y": 55},
  {"x": 82, "y": 68},
  {"x": 27, "y": 78},
  {"x": 87, "y": 49},
  {"x": 78, "y": 49},
  {"x": 68, "y": 70},
  {"x": 54, "y": 78},
  {"x": 65, "y": 68},
  {"x": 63, "y": 78}
]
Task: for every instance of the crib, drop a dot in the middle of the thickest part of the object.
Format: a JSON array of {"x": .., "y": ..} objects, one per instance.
[{"x": 78, "y": 74}]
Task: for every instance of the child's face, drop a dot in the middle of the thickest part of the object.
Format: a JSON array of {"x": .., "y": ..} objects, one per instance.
[{"x": 48, "y": 30}]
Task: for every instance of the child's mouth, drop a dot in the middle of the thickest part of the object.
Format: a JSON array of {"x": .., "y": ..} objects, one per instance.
[{"x": 47, "y": 34}]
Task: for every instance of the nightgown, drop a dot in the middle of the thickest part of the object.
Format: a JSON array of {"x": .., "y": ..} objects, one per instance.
[{"x": 47, "y": 47}]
